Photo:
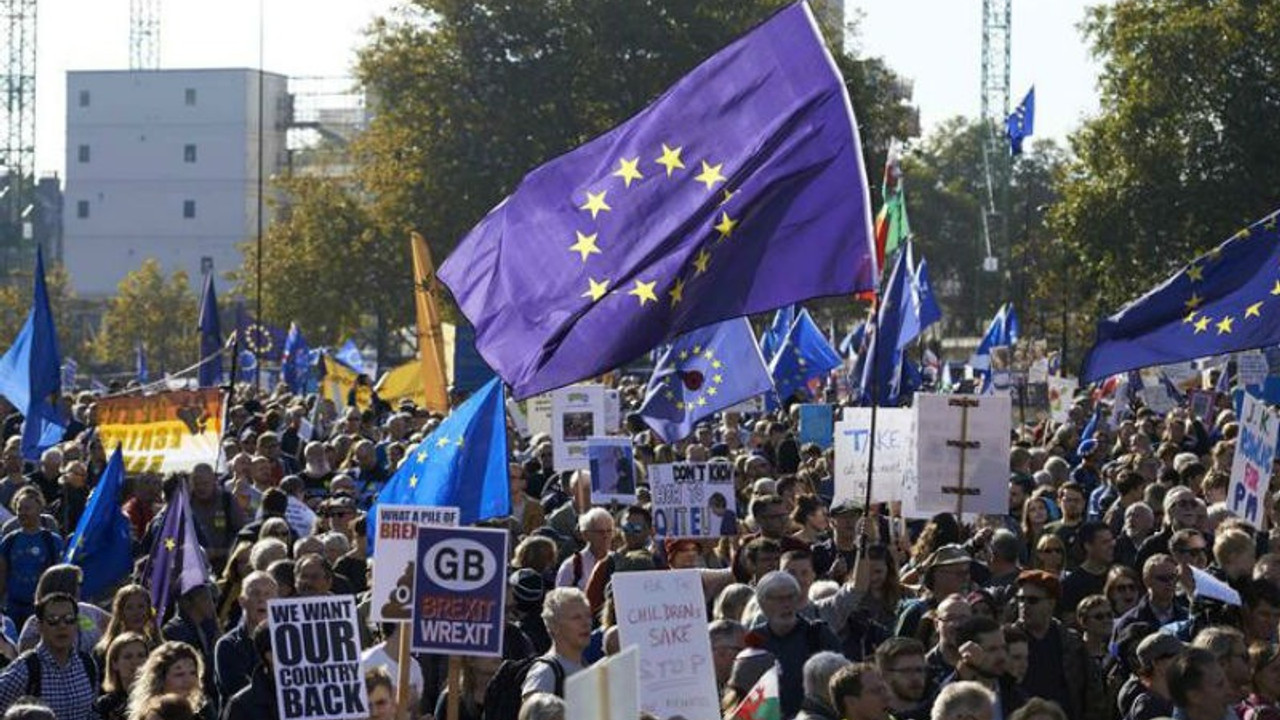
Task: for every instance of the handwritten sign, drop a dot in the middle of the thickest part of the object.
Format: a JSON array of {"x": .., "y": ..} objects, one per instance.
[
  {"x": 693, "y": 500},
  {"x": 895, "y": 437},
  {"x": 315, "y": 650},
  {"x": 1062, "y": 392},
  {"x": 397, "y": 550},
  {"x": 1251, "y": 466}
]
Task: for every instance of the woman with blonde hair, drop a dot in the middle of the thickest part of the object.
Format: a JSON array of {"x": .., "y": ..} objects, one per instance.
[
  {"x": 124, "y": 657},
  {"x": 172, "y": 668},
  {"x": 130, "y": 612}
]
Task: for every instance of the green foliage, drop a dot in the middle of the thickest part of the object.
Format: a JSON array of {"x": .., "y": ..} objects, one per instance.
[
  {"x": 159, "y": 313},
  {"x": 15, "y": 304}
]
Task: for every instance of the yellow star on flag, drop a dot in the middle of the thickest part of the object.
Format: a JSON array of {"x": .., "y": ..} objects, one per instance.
[
  {"x": 684, "y": 354},
  {"x": 1193, "y": 302},
  {"x": 461, "y": 439},
  {"x": 708, "y": 354},
  {"x": 670, "y": 159},
  {"x": 717, "y": 364},
  {"x": 728, "y": 195},
  {"x": 712, "y": 391},
  {"x": 413, "y": 481},
  {"x": 586, "y": 245},
  {"x": 422, "y": 455},
  {"x": 595, "y": 203},
  {"x": 1190, "y": 318},
  {"x": 680, "y": 405},
  {"x": 726, "y": 226},
  {"x": 1254, "y": 310},
  {"x": 697, "y": 349},
  {"x": 676, "y": 292},
  {"x": 1195, "y": 273},
  {"x": 170, "y": 544},
  {"x": 643, "y": 291},
  {"x": 597, "y": 289},
  {"x": 1244, "y": 233},
  {"x": 1276, "y": 290},
  {"x": 442, "y": 442},
  {"x": 628, "y": 171},
  {"x": 702, "y": 260},
  {"x": 710, "y": 175},
  {"x": 1203, "y": 323},
  {"x": 717, "y": 379},
  {"x": 702, "y": 400},
  {"x": 1224, "y": 325}
]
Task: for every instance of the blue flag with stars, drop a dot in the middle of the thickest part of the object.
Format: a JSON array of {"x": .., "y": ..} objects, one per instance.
[
  {"x": 702, "y": 373},
  {"x": 881, "y": 382},
  {"x": 804, "y": 356},
  {"x": 1224, "y": 301},
  {"x": 1021, "y": 123},
  {"x": 691, "y": 212},
  {"x": 462, "y": 464},
  {"x": 101, "y": 544},
  {"x": 31, "y": 373},
  {"x": 776, "y": 333}
]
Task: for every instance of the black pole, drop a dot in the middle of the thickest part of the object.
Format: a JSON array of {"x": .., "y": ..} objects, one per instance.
[
  {"x": 262, "y": 81},
  {"x": 875, "y": 400}
]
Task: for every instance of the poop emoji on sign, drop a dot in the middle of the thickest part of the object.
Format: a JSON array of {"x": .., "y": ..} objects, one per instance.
[{"x": 397, "y": 606}]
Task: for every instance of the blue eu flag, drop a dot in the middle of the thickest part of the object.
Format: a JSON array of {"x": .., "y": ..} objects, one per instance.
[
  {"x": 804, "y": 356},
  {"x": 881, "y": 382},
  {"x": 691, "y": 212},
  {"x": 1021, "y": 123},
  {"x": 296, "y": 362},
  {"x": 702, "y": 373},
  {"x": 462, "y": 464},
  {"x": 101, "y": 545},
  {"x": 1224, "y": 301},
  {"x": 31, "y": 374},
  {"x": 776, "y": 333},
  {"x": 263, "y": 340},
  {"x": 210, "y": 373}
]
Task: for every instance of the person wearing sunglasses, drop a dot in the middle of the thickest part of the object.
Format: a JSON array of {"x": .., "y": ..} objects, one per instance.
[
  {"x": 1162, "y": 605},
  {"x": 67, "y": 677},
  {"x": 1180, "y": 513},
  {"x": 1059, "y": 666}
]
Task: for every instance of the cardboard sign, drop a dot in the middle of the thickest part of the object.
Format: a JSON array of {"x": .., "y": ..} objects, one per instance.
[
  {"x": 1251, "y": 465},
  {"x": 817, "y": 424},
  {"x": 1062, "y": 391},
  {"x": 610, "y": 688},
  {"x": 577, "y": 413},
  {"x": 315, "y": 650},
  {"x": 663, "y": 613},
  {"x": 945, "y": 428},
  {"x": 397, "y": 551},
  {"x": 693, "y": 500},
  {"x": 460, "y": 591},
  {"x": 1203, "y": 405},
  {"x": 1251, "y": 368},
  {"x": 895, "y": 437},
  {"x": 538, "y": 412},
  {"x": 613, "y": 470},
  {"x": 165, "y": 432}
]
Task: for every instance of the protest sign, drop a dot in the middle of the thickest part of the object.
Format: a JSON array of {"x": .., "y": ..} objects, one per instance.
[
  {"x": 1062, "y": 391},
  {"x": 518, "y": 418},
  {"x": 1251, "y": 368},
  {"x": 1211, "y": 587},
  {"x": 1251, "y": 466},
  {"x": 577, "y": 413},
  {"x": 952, "y": 427},
  {"x": 315, "y": 651},
  {"x": 663, "y": 613},
  {"x": 817, "y": 424},
  {"x": 460, "y": 591},
  {"x": 612, "y": 410},
  {"x": 166, "y": 432},
  {"x": 1203, "y": 404},
  {"x": 397, "y": 551},
  {"x": 894, "y": 436},
  {"x": 693, "y": 500},
  {"x": 609, "y": 688},
  {"x": 613, "y": 470},
  {"x": 538, "y": 412}
]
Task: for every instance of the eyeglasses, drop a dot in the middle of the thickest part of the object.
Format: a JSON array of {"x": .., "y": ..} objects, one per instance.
[
  {"x": 1164, "y": 578},
  {"x": 56, "y": 620},
  {"x": 1031, "y": 599}
]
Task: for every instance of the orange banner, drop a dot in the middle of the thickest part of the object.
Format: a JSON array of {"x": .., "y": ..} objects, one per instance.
[{"x": 166, "y": 432}]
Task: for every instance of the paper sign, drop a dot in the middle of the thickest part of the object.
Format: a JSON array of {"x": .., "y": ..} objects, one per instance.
[
  {"x": 577, "y": 413},
  {"x": 538, "y": 412},
  {"x": 610, "y": 688},
  {"x": 693, "y": 500},
  {"x": 460, "y": 593},
  {"x": 1251, "y": 465},
  {"x": 945, "y": 429},
  {"x": 750, "y": 406},
  {"x": 518, "y": 419},
  {"x": 663, "y": 613},
  {"x": 1062, "y": 392},
  {"x": 1203, "y": 405},
  {"x": 315, "y": 652},
  {"x": 1251, "y": 368},
  {"x": 894, "y": 440},
  {"x": 396, "y": 544},
  {"x": 612, "y": 410},
  {"x": 817, "y": 424},
  {"x": 612, "y": 464},
  {"x": 1213, "y": 588}
]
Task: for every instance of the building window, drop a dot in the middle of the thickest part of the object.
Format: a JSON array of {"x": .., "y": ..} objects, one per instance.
[
  {"x": 82, "y": 153},
  {"x": 191, "y": 96},
  {"x": 84, "y": 98},
  {"x": 188, "y": 153},
  {"x": 82, "y": 209},
  {"x": 188, "y": 209}
]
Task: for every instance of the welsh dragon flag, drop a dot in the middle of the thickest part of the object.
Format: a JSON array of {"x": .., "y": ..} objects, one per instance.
[
  {"x": 892, "y": 227},
  {"x": 762, "y": 702}
]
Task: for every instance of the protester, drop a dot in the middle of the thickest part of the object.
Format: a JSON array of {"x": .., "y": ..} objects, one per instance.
[
  {"x": 68, "y": 681},
  {"x": 124, "y": 657}
]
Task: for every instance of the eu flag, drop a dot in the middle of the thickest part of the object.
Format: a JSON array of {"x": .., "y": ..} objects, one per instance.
[
  {"x": 31, "y": 373},
  {"x": 1224, "y": 301},
  {"x": 296, "y": 362},
  {"x": 349, "y": 355},
  {"x": 1002, "y": 331},
  {"x": 101, "y": 545},
  {"x": 210, "y": 373},
  {"x": 462, "y": 464},
  {"x": 804, "y": 356},
  {"x": 776, "y": 333},
  {"x": 702, "y": 373},
  {"x": 177, "y": 563},
  {"x": 881, "y": 382},
  {"x": 266, "y": 342},
  {"x": 925, "y": 302},
  {"x": 691, "y": 212},
  {"x": 1021, "y": 123}
]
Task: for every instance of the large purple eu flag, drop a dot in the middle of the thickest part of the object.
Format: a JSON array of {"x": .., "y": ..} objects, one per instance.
[{"x": 739, "y": 190}]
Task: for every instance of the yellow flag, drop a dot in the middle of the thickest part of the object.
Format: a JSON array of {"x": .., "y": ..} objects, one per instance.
[{"x": 430, "y": 340}]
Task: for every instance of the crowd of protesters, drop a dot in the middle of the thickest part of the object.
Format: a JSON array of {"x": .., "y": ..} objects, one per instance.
[{"x": 1080, "y": 603}]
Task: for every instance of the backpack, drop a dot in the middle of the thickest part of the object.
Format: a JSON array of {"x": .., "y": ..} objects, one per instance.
[
  {"x": 502, "y": 698},
  {"x": 34, "y": 672}
]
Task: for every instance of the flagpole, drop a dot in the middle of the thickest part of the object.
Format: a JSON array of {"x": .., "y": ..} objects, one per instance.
[{"x": 875, "y": 400}]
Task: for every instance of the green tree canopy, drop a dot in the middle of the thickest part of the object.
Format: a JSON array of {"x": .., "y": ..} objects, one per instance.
[
  {"x": 15, "y": 304},
  {"x": 159, "y": 313}
]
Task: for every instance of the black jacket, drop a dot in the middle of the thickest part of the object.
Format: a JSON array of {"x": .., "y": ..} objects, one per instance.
[{"x": 256, "y": 702}]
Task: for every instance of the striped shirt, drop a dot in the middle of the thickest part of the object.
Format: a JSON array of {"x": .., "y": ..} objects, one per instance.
[{"x": 67, "y": 689}]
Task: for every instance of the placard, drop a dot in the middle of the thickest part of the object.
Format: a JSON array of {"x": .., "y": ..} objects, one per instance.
[
  {"x": 1202, "y": 403},
  {"x": 1062, "y": 392},
  {"x": 817, "y": 424},
  {"x": 943, "y": 434},
  {"x": 613, "y": 470},
  {"x": 315, "y": 653},
  {"x": 538, "y": 413},
  {"x": 609, "y": 688},
  {"x": 612, "y": 410},
  {"x": 1251, "y": 368},
  {"x": 895, "y": 435},
  {"x": 693, "y": 500},
  {"x": 396, "y": 544},
  {"x": 664, "y": 614},
  {"x": 460, "y": 593},
  {"x": 166, "y": 432},
  {"x": 577, "y": 413},
  {"x": 1251, "y": 465}
]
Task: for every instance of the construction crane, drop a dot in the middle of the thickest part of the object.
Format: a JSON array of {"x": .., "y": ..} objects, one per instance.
[
  {"x": 18, "y": 26},
  {"x": 997, "y": 27},
  {"x": 144, "y": 34}
]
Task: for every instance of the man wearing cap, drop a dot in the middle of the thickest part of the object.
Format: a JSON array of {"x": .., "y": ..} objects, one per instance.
[
  {"x": 1155, "y": 654},
  {"x": 1086, "y": 473},
  {"x": 946, "y": 573},
  {"x": 833, "y": 558},
  {"x": 1059, "y": 666}
]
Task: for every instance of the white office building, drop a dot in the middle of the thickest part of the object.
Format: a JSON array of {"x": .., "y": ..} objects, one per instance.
[{"x": 164, "y": 164}]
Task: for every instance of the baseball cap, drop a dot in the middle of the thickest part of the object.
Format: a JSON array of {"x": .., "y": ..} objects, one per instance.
[{"x": 1158, "y": 646}]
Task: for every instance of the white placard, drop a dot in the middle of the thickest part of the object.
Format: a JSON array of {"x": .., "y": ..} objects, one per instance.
[
  {"x": 1039, "y": 371},
  {"x": 895, "y": 436},
  {"x": 1251, "y": 368},
  {"x": 301, "y": 519},
  {"x": 1213, "y": 588},
  {"x": 577, "y": 413},
  {"x": 664, "y": 614},
  {"x": 396, "y": 547},
  {"x": 538, "y": 413},
  {"x": 693, "y": 500},
  {"x": 609, "y": 688},
  {"x": 315, "y": 653},
  {"x": 613, "y": 470},
  {"x": 612, "y": 410},
  {"x": 750, "y": 406},
  {"x": 940, "y": 424},
  {"x": 1251, "y": 465},
  {"x": 1062, "y": 391},
  {"x": 518, "y": 418}
]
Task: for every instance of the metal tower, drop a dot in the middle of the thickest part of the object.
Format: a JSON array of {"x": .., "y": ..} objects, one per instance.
[
  {"x": 997, "y": 29},
  {"x": 18, "y": 25},
  {"x": 144, "y": 34}
]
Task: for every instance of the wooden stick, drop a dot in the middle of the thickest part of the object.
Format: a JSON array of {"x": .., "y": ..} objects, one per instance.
[
  {"x": 455, "y": 687},
  {"x": 402, "y": 667}
]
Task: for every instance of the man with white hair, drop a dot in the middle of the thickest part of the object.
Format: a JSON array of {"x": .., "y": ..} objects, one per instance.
[
  {"x": 233, "y": 655},
  {"x": 568, "y": 619},
  {"x": 791, "y": 637},
  {"x": 964, "y": 700},
  {"x": 818, "y": 670},
  {"x": 46, "y": 476},
  {"x": 1181, "y": 512},
  {"x": 595, "y": 526},
  {"x": 1139, "y": 522}
]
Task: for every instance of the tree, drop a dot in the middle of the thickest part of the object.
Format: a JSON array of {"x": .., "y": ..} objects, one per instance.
[
  {"x": 1185, "y": 149},
  {"x": 160, "y": 314},
  {"x": 15, "y": 304}
]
